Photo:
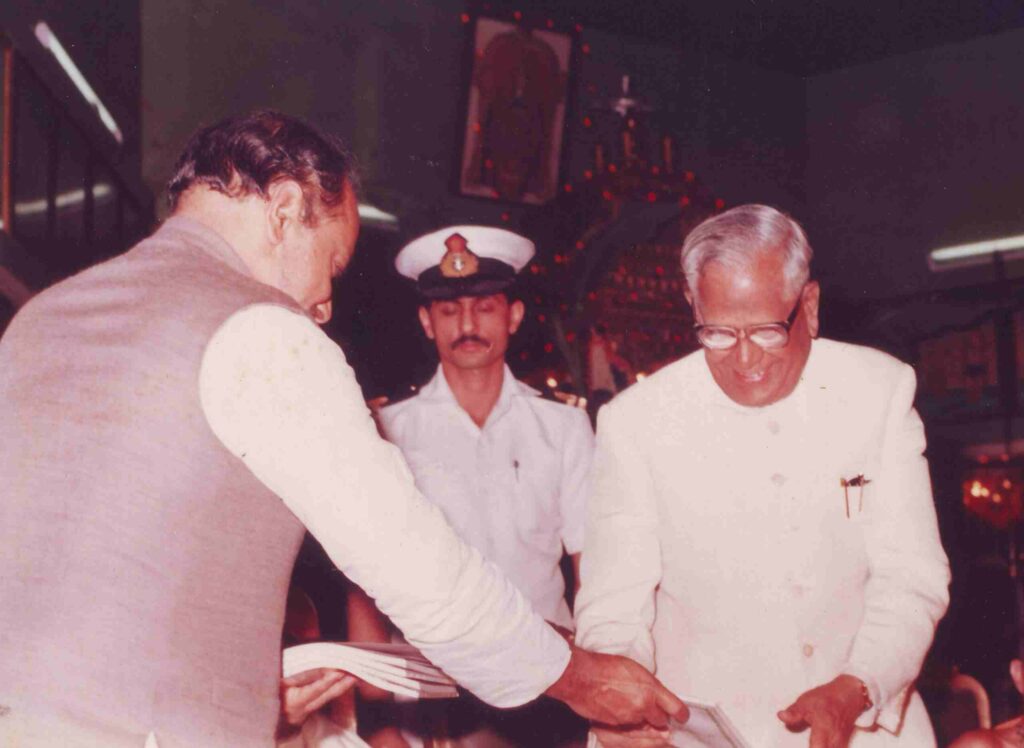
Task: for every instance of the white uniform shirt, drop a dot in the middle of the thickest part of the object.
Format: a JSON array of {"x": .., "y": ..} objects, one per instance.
[
  {"x": 514, "y": 489},
  {"x": 280, "y": 396}
]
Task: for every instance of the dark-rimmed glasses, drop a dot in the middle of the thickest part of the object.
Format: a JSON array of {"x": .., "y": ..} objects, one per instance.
[{"x": 769, "y": 335}]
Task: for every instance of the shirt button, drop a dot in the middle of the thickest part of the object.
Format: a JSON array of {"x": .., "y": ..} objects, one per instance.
[
  {"x": 773, "y": 427},
  {"x": 808, "y": 650},
  {"x": 778, "y": 479}
]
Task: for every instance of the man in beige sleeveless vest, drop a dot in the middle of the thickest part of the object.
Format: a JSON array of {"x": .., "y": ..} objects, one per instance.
[{"x": 171, "y": 420}]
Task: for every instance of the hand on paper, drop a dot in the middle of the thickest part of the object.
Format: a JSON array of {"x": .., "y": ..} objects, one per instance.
[
  {"x": 613, "y": 690},
  {"x": 635, "y": 737},
  {"x": 829, "y": 710},
  {"x": 304, "y": 693}
]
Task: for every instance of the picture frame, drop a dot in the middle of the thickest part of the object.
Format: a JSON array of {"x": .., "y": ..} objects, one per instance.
[{"x": 516, "y": 101}]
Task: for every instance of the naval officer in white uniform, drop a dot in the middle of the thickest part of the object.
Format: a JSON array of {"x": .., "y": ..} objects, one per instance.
[
  {"x": 508, "y": 468},
  {"x": 761, "y": 530}
]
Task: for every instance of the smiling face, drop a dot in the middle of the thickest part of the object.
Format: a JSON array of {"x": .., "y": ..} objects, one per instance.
[
  {"x": 314, "y": 252},
  {"x": 472, "y": 332},
  {"x": 741, "y": 298}
]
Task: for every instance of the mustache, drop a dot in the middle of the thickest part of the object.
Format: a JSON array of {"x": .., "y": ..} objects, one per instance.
[{"x": 469, "y": 339}]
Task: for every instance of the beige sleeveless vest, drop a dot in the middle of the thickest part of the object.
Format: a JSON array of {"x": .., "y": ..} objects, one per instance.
[{"x": 143, "y": 569}]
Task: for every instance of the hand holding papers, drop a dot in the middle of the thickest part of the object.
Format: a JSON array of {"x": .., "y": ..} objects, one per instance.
[
  {"x": 304, "y": 693},
  {"x": 398, "y": 668},
  {"x": 614, "y": 690},
  {"x": 708, "y": 726}
]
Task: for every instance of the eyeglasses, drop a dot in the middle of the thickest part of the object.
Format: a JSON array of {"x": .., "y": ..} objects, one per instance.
[{"x": 770, "y": 335}]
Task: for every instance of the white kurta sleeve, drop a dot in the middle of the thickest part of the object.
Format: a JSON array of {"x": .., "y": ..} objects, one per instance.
[
  {"x": 621, "y": 565},
  {"x": 281, "y": 397},
  {"x": 577, "y": 456},
  {"x": 907, "y": 590}
]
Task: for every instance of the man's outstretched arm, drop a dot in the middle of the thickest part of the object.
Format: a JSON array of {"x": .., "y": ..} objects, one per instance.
[{"x": 280, "y": 396}]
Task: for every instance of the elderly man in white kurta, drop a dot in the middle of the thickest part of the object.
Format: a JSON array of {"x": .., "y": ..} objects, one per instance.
[{"x": 761, "y": 530}]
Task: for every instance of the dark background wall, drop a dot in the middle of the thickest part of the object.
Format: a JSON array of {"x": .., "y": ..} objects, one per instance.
[
  {"x": 389, "y": 77},
  {"x": 883, "y": 160},
  {"x": 912, "y": 153}
]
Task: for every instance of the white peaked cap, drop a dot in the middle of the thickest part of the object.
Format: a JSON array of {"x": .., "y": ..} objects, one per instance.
[{"x": 486, "y": 242}]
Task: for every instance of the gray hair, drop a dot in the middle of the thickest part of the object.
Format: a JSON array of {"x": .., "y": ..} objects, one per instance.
[{"x": 738, "y": 236}]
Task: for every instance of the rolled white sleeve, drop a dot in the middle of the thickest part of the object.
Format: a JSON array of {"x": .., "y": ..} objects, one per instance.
[
  {"x": 621, "y": 564},
  {"x": 281, "y": 397},
  {"x": 907, "y": 590}
]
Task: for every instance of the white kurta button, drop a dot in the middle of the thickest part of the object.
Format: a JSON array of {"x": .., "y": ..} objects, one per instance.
[
  {"x": 778, "y": 479},
  {"x": 773, "y": 427},
  {"x": 808, "y": 650}
]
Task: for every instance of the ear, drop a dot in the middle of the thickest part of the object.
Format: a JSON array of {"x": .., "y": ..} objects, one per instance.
[
  {"x": 286, "y": 206},
  {"x": 428, "y": 328},
  {"x": 516, "y": 311},
  {"x": 1017, "y": 675},
  {"x": 811, "y": 297}
]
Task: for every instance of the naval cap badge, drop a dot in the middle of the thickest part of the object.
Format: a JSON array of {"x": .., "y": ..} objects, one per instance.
[{"x": 459, "y": 261}]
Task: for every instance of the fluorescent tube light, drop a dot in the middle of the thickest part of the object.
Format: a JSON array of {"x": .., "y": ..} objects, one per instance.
[
  {"x": 976, "y": 253},
  {"x": 374, "y": 216},
  {"x": 50, "y": 41}
]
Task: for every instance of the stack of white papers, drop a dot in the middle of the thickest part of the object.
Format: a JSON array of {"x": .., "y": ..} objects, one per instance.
[
  {"x": 399, "y": 668},
  {"x": 709, "y": 724},
  {"x": 707, "y": 727}
]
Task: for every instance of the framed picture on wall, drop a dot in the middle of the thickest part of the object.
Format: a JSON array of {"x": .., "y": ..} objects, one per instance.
[{"x": 515, "y": 112}]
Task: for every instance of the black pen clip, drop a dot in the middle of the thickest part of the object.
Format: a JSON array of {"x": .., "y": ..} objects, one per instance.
[{"x": 857, "y": 481}]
